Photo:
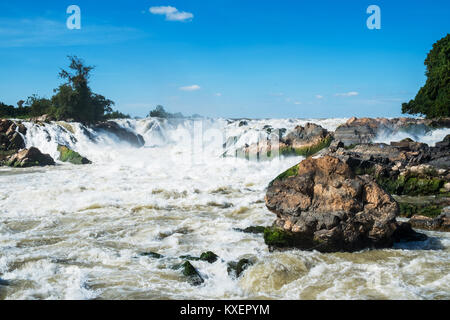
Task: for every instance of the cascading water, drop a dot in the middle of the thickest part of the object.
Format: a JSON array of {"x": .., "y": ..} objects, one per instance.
[{"x": 77, "y": 232}]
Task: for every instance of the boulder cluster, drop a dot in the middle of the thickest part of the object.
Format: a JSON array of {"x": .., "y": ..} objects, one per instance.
[
  {"x": 12, "y": 147},
  {"x": 14, "y": 154},
  {"x": 348, "y": 196}
]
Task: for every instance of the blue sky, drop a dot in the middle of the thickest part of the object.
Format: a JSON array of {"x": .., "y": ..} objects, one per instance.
[{"x": 227, "y": 58}]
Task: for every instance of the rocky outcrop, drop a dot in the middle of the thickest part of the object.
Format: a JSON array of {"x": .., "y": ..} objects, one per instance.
[
  {"x": 302, "y": 141},
  {"x": 12, "y": 144},
  {"x": 364, "y": 130},
  {"x": 306, "y": 141},
  {"x": 402, "y": 168},
  {"x": 121, "y": 133},
  {"x": 10, "y": 137},
  {"x": 11, "y": 140},
  {"x": 30, "y": 158},
  {"x": 68, "y": 155},
  {"x": 321, "y": 204},
  {"x": 417, "y": 174},
  {"x": 43, "y": 119}
]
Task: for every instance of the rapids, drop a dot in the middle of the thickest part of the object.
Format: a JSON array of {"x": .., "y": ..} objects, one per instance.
[{"x": 76, "y": 232}]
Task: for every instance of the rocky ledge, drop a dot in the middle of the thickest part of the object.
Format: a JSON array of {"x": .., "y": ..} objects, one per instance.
[
  {"x": 121, "y": 133},
  {"x": 322, "y": 204},
  {"x": 365, "y": 130},
  {"x": 12, "y": 148},
  {"x": 348, "y": 198},
  {"x": 301, "y": 141}
]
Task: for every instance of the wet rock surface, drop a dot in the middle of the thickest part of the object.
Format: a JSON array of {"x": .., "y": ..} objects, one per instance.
[
  {"x": 12, "y": 147},
  {"x": 301, "y": 141},
  {"x": 440, "y": 223},
  {"x": 30, "y": 158},
  {"x": 68, "y": 155},
  {"x": 323, "y": 205},
  {"x": 121, "y": 133},
  {"x": 364, "y": 130}
]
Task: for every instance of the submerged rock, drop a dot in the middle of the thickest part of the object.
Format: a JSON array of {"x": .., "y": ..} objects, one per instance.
[
  {"x": 192, "y": 274},
  {"x": 68, "y": 155},
  {"x": 237, "y": 268},
  {"x": 151, "y": 255},
  {"x": 209, "y": 256},
  {"x": 440, "y": 223},
  {"x": 29, "y": 158},
  {"x": 321, "y": 204},
  {"x": 405, "y": 233},
  {"x": 253, "y": 229}
]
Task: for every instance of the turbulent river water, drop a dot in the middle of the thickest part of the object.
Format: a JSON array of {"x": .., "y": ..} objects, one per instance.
[{"x": 77, "y": 232}]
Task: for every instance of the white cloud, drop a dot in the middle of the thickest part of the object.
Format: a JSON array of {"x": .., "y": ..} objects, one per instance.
[
  {"x": 347, "y": 94},
  {"x": 172, "y": 13},
  {"x": 191, "y": 88},
  {"x": 218, "y": 94},
  {"x": 319, "y": 96},
  {"x": 297, "y": 102}
]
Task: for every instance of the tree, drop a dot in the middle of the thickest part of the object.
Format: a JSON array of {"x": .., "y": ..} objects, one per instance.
[
  {"x": 433, "y": 99},
  {"x": 160, "y": 112},
  {"x": 74, "y": 99},
  {"x": 39, "y": 106}
]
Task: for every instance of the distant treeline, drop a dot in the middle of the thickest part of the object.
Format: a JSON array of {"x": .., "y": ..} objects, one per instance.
[{"x": 12, "y": 112}]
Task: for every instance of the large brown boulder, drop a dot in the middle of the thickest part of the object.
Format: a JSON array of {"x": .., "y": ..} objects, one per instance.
[
  {"x": 30, "y": 158},
  {"x": 322, "y": 204}
]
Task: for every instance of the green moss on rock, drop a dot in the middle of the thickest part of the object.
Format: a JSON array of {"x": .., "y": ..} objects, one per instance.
[
  {"x": 309, "y": 150},
  {"x": 424, "y": 209},
  {"x": 291, "y": 172},
  {"x": 192, "y": 274},
  {"x": 253, "y": 229},
  {"x": 209, "y": 256},
  {"x": 278, "y": 237},
  {"x": 68, "y": 155},
  {"x": 237, "y": 268},
  {"x": 412, "y": 185}
]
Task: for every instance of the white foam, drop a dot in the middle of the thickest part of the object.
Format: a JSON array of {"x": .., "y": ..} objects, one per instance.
[{"x": 76, "y": 232}]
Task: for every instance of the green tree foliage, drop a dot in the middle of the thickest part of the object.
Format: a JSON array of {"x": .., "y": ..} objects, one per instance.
[
  {"x": 160, "y": 112},
  {"x": 38, "y": 106},
  {"x": 7, "y": 111},
  {"x": 433, "y": 99},
  {"x": 116, "y": 115},
  {"x": 74, "y": 99}
]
